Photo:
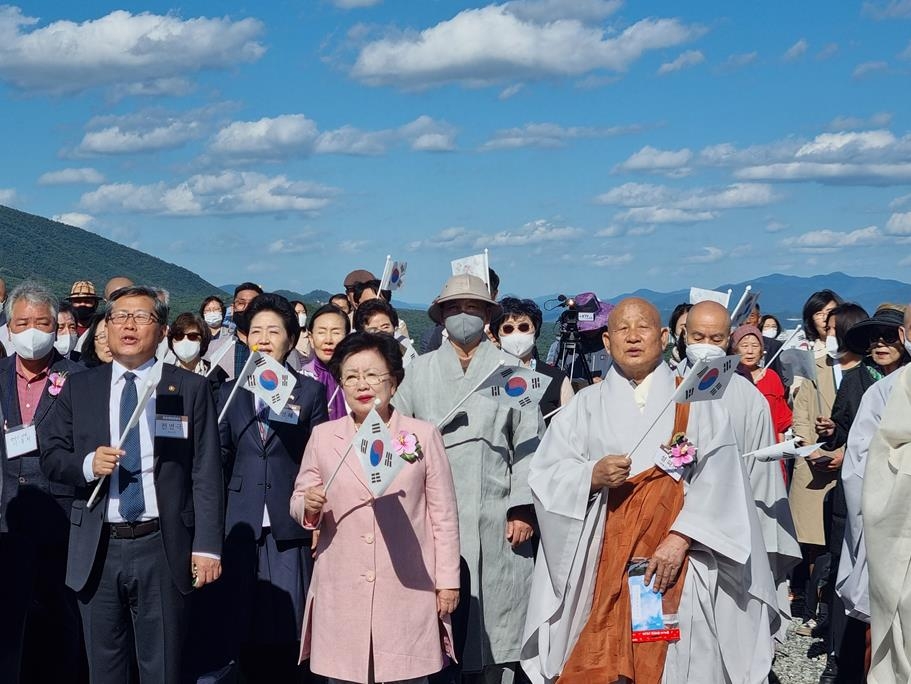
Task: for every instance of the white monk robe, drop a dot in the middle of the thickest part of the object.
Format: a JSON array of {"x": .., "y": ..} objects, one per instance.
[
  {"x": 853, "y": 584},
  {"x": 887, "y": 531},
  {"x": 728, "y": 601}
]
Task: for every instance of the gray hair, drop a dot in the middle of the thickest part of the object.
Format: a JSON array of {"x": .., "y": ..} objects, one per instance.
[
  {"x": 160, "y": 308},
  {"x": 163, "y": 295},
  {"x": 34, "y": 293}
]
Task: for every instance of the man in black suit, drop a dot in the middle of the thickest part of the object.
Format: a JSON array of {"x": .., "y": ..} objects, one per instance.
[
  {"x": 156, "y": 530},
  {"x": 38, "y": 607}
]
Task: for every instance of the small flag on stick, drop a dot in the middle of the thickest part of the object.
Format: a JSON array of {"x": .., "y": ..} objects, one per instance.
[
  {"x": 269, "y": 380},
  {"x": 707, "y": 380},
  {"x": 373, "y": 445},
  {"x": 516, "y": 385}
]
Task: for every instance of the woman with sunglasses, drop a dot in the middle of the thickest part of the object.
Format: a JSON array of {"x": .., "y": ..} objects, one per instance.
[
  {"x": 515, "y": 328},
  {"x": 188, "y": 339}
]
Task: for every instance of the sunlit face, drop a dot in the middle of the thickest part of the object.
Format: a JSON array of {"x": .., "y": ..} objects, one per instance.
[
  {"x": 26, "y": 314},
  {"x": 300, "y": 309},
  {"x": 102, "y": 350},
  {"x": 268, "y": 335},
  {"x": 131, "y": 342},
  {"x": 66, "y": 324},
  {"x": 886, "y": 348},
  {"x": 819, "y": 319},
  {"x": 365, "y": 379},
  {"x": 750, "y": 350},
  {"x": 771, "y": 327},
  {"x": 635, "y": 338},
  {"x": 328, "y": 331},
  {"x": 707, "y": 327},
  {"x": 380, "y": 322},
  {"x": 513, "y": 323}
]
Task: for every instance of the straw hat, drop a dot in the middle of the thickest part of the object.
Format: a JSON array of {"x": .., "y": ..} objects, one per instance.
[{"x": 462, "y": 286}]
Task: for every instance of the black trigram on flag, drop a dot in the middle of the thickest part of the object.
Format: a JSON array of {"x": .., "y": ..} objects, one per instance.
[
  {"x": 376, "y": 428},
  {"x": 524, "y": 401},
  {"x": 363, "y": 446},
  {"x": 276, "y": 398},
  {"x": 689, "y": 393},
  {"x": 507, "y": 372},
  {"x": 388, "y": 461},
  {"x": 716, "y": 389},
  {"x": 375, "y": 478},
  {"x": 251, "y": 381},
  {"x": 727, "y": 366},
  {"x": 702, "y": 372},
  {"x": 535, "y": 383},
  {"x": 495, "y": 391}
]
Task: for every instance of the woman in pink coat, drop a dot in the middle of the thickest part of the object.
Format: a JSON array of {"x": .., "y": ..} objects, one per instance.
[{"x": 387, "y": 568}]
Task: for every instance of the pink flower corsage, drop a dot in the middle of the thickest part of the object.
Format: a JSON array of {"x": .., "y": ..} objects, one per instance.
[
  {"x": 406, "y": 445},
  {"x": 55, "y": 383},
  {"x": 681, "y": 451}
]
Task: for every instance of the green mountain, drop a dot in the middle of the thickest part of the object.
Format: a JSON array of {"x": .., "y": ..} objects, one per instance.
[{"x": 58, "y": 255}]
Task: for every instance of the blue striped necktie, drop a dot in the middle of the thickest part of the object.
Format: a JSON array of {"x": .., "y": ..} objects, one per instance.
[{"x": 132, "y": 502}]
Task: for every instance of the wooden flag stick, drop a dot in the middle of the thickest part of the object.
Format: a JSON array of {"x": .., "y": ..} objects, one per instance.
[{"x": 455, "y": 408}]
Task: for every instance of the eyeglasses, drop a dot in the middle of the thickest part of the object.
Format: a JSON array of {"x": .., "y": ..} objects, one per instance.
[
  {"x": 822, "y": 315},
  {"x": 192, "y": 336},
  {"x": 889, "y": 336},
  {"x": 509, "y": 328},
  {"x": 371, "y": 378},
  {"x": 103, "y": 337},
  {"x": 139, "y": 317}
]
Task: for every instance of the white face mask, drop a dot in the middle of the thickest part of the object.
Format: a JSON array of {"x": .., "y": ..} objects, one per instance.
[
  {"x": 696, "y": 352},
  {"x": 771, "y": 333},
  {"x": 518, "y": 344},
  {"x": 212, "y": 318},
  {"x": 302, "y": 320},
  {"x": 186, "y": 350},
  {"x": 66, "y": 343},
  {"x": 908, "y": 346},
  {"x": 32, "y": 343},
  {"x": 832, "y": 348}
]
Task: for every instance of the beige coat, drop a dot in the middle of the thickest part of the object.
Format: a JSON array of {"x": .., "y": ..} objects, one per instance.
[{"x": 809, "y": 485}]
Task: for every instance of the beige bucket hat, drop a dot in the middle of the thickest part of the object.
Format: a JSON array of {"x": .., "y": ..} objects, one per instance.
[{"x": 463, "y": 286}]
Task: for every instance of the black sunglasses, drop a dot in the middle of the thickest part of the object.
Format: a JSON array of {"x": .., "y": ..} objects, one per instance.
[
  {"x": 886, "y": 336},
  {"x": 192, "y": 336},
  {"x": 509, "y": 328}
]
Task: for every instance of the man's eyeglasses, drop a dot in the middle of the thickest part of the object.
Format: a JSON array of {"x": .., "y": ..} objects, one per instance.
[
  {"x": 372, "y": 379},
  {"x": 192, "y": 336},
  {"x": 509, "y": 328},
  {"x": 139, "y": 317}
]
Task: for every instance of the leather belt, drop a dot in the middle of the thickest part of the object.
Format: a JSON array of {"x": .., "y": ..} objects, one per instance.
[{"x": 133, "y": 530}]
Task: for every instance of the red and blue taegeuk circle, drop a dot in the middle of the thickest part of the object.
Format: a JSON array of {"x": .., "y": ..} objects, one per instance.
[
  {"x": 268, "y": 380},
  {"x": 708, "y": 379},
  {"x": 376, "y": 452},
  {"x": 516, "y": 387}
]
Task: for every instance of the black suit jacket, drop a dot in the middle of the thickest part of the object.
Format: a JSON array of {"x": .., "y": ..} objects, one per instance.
[
  {"x": 25, "y": 471},
  {"x": 263, "y": 473},
  {"x": 187, "y": 472}
]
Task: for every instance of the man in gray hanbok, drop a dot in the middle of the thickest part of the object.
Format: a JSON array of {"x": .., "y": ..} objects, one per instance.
[
  {"x": 489, "y": 446},
  {"x": 580, "y": 472}
]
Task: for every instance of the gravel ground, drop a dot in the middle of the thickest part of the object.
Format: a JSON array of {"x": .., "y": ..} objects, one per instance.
[{"x": 800, "y": 660}]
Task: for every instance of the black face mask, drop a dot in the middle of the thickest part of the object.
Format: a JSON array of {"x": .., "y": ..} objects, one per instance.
[
  {"x": 83, "y": 314},
  {"x": 242, "y": 321}
]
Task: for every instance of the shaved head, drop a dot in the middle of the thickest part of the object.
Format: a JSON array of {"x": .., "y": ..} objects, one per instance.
[
  {"x": 635, "y": 338},
  {"x": 708, "y": 323},
  {"x": 115, "y": 284}
]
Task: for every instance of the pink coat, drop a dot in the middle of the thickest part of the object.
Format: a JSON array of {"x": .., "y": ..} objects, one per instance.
[{"x": 379, "y": 561}]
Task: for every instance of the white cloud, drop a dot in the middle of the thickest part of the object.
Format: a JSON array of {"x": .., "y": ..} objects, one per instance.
[
  {"x": 610, "y": 232},
  {"x": 774, "y": 226},
  {"x": 449, "y": 238},
  {"x": 352, "y": 245},
  {"x": 887, "y": 9},
  {"x": 660, "y": 161},
  {"x": 510, "y": 91},
  {"x": 609, "y": 260},
  {"x": 532, "y": 233},
  {"x": 8, "y": 196},
  {"x": 899, "y": 224},
  {"x": 226, "y": 193},
  {"x": 66, "y": 176},
  {"x": 796, "y": 51},
  {"x": 353, "y": 4},
  {"x": 660, "y": 204},
  {"x": 492, "y": 44},
  {"x": 900, "y": 201},
  {"x": 685, "y": 60},
  {"x": 709, "y": 255},
  {"x": 293, "y": 135},
  {"x": 906, "y": 261},
  {"x": 119, "y": 48},
  {"x": 844, "y": 123},
  {"x": 551, "y": 135},
  {"x": 74, "y": 218},
  {"x": 830, "y": 173},
  {"x": 826, "y": 241},
  {"x": 738, "y": 61},
  {"x": 865, "y": 69},
  {"x": 174, "y": 86},
  {"x": 553, "y": 10},
  {"x": 837, "y": 145},
  {"x": 828, "y": 50},
  {"x": 303, "y": 242}
]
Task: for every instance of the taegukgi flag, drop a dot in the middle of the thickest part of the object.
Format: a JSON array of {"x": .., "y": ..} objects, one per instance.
[
  {"x": 744, "y": 308},
  {"x": 707, "y": 379},
  {"x": 373, "y": 445},
  {"x": 698, "y": 294},
  {"x": 516, "y": 385},
  {"x": 393, "y": 275},
  {"x": 267, "y": 379}
]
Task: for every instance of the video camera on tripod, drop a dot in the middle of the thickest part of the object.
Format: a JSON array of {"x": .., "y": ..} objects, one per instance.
[{"x": 570, "y": 358}]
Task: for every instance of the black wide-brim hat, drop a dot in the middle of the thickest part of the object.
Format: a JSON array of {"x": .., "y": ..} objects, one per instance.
[{"x": 861, "y": 334}]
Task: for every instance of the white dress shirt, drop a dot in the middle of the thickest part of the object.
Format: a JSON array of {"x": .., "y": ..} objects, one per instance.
[{"x": 146, "y": 444}]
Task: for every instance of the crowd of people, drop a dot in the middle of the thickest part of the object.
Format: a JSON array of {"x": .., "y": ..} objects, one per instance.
[{"x": 157, "y": 525}]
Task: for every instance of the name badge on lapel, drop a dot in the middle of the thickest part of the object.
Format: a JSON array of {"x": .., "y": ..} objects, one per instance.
[
  {"x": 20, "y": 440},
  {"x": 290, "y": 414},
  {"x": 172, "y": 427}
]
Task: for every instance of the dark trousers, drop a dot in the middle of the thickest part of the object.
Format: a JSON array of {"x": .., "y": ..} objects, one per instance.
[{"x": 133, "y": 614}]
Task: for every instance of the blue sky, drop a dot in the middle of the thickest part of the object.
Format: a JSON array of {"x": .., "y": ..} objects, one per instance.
[{"x": 588, "y": 144}]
